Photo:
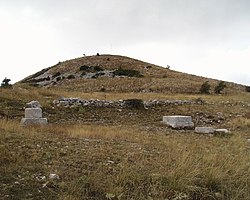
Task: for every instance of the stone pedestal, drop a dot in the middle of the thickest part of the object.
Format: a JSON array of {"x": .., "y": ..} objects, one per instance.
[
  {"x": 34, "y": 121},
  {"x": 33, "y": 116},
  {"x": 179, "y": 122}
]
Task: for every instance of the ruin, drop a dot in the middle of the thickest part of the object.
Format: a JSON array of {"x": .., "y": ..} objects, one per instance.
[
  {"x": 33, "y": 114},
  {"x": 179, "y": 122}
]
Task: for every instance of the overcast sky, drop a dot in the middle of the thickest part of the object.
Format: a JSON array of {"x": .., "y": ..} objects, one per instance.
[{"x": 203, "y": 37}]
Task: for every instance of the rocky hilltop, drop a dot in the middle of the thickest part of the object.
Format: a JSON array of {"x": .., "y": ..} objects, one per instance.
[{"x": 112, "y": 73}]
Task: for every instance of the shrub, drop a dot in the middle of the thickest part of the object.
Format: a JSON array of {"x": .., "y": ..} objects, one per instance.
[
  {"x": 71, "y": 76},
  {"x": 103, "y": 89},
  {"x": 127, "y": 72},
  {"x": 134, "y": 103},
  {"x": 84, "y": 68},
  {"x": 58, "y": 78},
  {"x": 5, "y": 83},
  {"x": 218, "y": 89},
  {"x": 247, "y": 88},
  {"x": 97, "y": 68},
  {"x": 56, "y": 74},
  {"x": 205, "y": 88}
]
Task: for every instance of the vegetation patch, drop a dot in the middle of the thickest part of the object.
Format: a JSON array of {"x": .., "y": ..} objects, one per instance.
[
  {"x": 56, "y": 75},
  {"x": 71, "y": 77},
  {"x": 134, "y": 103},
  {"x": 205, "y": 88},
  {"x": 96, "y": 68},
  {"x": 127, "y": 72}
]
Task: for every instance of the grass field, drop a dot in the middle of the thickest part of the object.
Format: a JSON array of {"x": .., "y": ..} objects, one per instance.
[
  {"x": 109, "y": 153},
  {"x": 109, "y": 162}
]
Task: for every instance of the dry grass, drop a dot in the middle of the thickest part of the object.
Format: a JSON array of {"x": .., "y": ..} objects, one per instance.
[
  {"x": 132, "y": 157},
  {"x": 100, "y": 162}
]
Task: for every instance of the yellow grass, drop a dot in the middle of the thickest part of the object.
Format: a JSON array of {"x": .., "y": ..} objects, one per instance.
[{"x": 125, "y": 162}]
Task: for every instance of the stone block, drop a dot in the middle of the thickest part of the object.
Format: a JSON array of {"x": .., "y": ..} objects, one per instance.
[
  {"x": 33, "y": 113},
  {"x": 178, "y": 121},
  {"x": 34, "y": 121},
  {"x": 222, "y": 131},
  {"x": 205, "y": 130}
]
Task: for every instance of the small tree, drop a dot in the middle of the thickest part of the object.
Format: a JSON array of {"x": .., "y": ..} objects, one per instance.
[
  {"x": 221, "y": 86},
  {"x": 205, "y": 88},
  {"x": 5, "y": 83}
]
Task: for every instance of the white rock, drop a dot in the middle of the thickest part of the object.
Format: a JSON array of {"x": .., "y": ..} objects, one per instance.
[
  {"x": 222, "y": 131},
  {"x": 53, "y": 176}
]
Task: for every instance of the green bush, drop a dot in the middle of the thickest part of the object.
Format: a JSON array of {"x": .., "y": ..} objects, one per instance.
[
  {"x": 205, "y": 88},
  {"x": 247, "y": 88},
  {"x": 127, "y": 72},
  {"x": 218, "y": 89}
]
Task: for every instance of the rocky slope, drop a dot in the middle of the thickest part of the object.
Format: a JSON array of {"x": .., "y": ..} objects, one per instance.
[{"x": 112, "y": 73}]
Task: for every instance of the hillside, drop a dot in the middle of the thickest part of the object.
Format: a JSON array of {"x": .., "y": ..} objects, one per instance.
[{"x": 113, "y": 73}]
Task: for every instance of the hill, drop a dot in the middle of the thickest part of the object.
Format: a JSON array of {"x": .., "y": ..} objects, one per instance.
[{"x": 114, "y": 73}]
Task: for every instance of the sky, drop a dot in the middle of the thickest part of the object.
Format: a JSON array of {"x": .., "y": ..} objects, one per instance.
[{"x": 208, "y": 38}]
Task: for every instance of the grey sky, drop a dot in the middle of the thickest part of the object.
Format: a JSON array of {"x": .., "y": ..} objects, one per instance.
[{"x": 202, "y": 37}]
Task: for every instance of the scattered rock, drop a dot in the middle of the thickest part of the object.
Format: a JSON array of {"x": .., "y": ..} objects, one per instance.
[
  {"x": 53, "y": 177},
  {"x": 68, "y": 102}
]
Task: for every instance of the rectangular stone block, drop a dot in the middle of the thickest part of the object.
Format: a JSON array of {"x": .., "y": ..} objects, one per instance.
[
  {"x": 178, "y": 121},
  {"x": 34, "y": 121},
  {"x": 205, "y": 130},
  {"x": 33, "y": 113}
]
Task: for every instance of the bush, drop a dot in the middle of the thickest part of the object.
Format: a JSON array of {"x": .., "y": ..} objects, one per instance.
[
  {"x": 218, "y": 89},
  {"x": 247, "y": 88},
  {"x": 56, "y": 74},
  {"x": 134, "y": 103},
  {"x": 205, "y": 88},
  {"x": 127, "y": 72},
  {"x": 91, "y": 69},
  {"x": 97, "y": 68},
  {"x": 84, "y": 68},
  {"x": 5, "y": 83},
  {"x": 71, "y": 76}
]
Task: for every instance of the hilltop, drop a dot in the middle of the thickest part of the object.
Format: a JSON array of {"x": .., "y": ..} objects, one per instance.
[{"x": 113, "y": 73}]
